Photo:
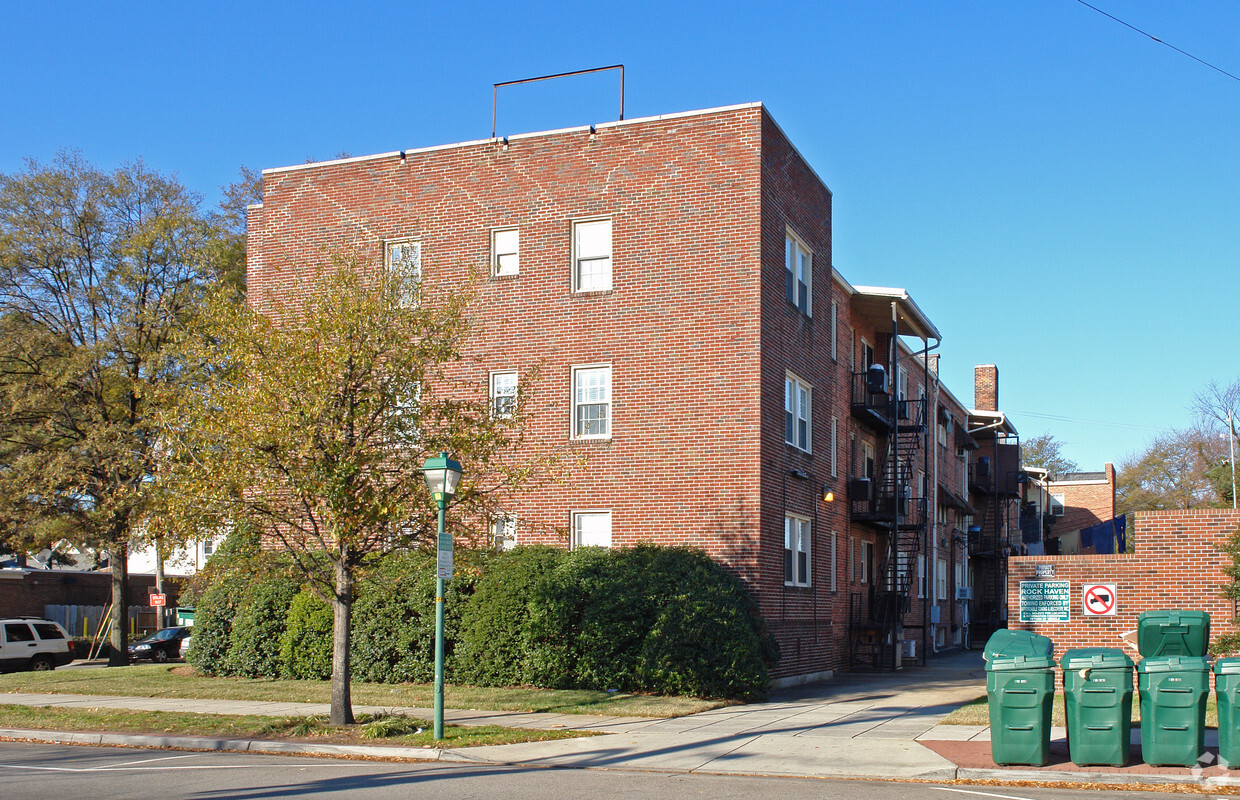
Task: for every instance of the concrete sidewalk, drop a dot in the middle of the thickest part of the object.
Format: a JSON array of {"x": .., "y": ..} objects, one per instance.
[{"x": 883, "y": 726}]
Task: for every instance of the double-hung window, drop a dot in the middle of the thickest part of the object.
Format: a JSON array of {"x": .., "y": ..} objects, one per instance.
[
  {"x": 505, "y": 251},
  {"x": 591, "y": 529},
  {"x": 592, "y": 255},
  {"x": 504, "y": 531},
  {"x": 798, "y": 273},
  {"x": 403, "y": 259},
  {"x": 504, "y": 393},
  {"x": 797, "y": 397},
  {"x": 592, "y": 402},
  {"x": 796, "y": 550}
]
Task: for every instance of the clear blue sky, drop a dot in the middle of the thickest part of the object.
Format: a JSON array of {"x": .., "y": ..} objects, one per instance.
[{"x": 1060, "y": 194}]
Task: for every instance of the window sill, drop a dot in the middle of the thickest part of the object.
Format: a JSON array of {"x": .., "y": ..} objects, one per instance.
[
  {"x": 505, "y": 276},
  {"x": 593, "y": 292}
]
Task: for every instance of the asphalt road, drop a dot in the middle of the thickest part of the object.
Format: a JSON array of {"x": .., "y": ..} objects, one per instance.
[{"x": 99, "y": 773}]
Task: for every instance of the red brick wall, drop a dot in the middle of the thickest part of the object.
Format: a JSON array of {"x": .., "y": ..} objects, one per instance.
[
  {"x": 28, "y": 593},
  {"x": 1086, "y": 503},
  {"x": 1175, "y": 565}
]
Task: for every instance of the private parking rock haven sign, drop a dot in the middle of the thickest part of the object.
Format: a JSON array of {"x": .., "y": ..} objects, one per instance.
[{"x": 1045, "y": 601}]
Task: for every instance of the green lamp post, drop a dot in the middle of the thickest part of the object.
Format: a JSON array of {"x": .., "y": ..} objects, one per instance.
[{"x": 442, "y": 475}]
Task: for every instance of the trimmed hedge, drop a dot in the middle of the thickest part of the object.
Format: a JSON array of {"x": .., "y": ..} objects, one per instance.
[
  {"x": 650, "y": 619},
  {"x": 306, "y": 644},
  {"x": 654, "y": 619}
]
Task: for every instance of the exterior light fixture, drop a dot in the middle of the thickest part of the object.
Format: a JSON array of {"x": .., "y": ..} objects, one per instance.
[{"x": 442, "y": 476}]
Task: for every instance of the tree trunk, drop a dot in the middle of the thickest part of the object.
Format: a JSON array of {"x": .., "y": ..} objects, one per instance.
[
  {"x": 342, "y": 607},
  {"x": 118, "y": 560},
  {"x": 159, "y": 585}
]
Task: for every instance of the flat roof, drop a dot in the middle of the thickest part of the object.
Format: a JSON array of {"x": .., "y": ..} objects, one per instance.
[{"x": 515, "y": 137}]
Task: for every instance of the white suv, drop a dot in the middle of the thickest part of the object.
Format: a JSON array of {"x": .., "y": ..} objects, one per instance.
[{"x": 32, "y": 643}]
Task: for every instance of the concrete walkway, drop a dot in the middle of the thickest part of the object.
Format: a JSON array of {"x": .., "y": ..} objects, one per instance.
[{"x": 883, "y": 725}]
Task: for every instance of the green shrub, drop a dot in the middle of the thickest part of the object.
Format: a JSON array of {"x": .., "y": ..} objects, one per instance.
[
  {"x": 648, "y": 618},
  {"x": 218, "y": 589},
  {"x": 254, "y": 643},
  {"x": 306, "y": 643},
  {"x": 494, "y": 646}
]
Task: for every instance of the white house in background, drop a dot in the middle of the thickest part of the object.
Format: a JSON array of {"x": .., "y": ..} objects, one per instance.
[{"x": 183, "y": 562}]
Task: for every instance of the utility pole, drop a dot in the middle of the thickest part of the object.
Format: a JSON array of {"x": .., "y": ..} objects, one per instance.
[{"x": 1231, "y": 443}]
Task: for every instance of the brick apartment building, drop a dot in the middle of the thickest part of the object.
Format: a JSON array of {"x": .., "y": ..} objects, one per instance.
[{"x": 727, "y": 388}]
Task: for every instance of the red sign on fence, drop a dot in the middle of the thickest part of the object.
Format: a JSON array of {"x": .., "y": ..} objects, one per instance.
[{"x": 159, "y": 599}]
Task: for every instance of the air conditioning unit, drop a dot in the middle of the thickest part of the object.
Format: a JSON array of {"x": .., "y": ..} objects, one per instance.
[
  {"x": 860, "y": 489},
  {"x": 908, "y": 648},
  {"x": 964, "y": 592},
  {"x": 876, "y": 379}
]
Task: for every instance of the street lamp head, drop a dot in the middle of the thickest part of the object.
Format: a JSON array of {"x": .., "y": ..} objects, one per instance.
[{"x": 442, "y": 475}]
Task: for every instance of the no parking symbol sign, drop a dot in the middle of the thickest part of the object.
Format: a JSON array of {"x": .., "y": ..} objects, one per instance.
[{"x": 1098, "y": 599}]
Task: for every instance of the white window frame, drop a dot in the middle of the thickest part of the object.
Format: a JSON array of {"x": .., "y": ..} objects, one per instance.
[
  {"x": 834, "y": 565},
  {"x": 602, "y": 284},
  {"x": 504, "y": 531},
  {"x": 1057, "y": 504},
  {"x": 798, "y": 413},
  {"x": 409, "y": 266},
  {"x": 580, "y": 517},
  {"x": 503, "y": 396},
  {"x": 901, "y": 384},
  {"x": 867, "y": 556},
  {"x": 835, "y": 322},
  {"x": 835, "y": 447},
  {"x": 505, "y": 257},
  {"x": 867, "y": 354},
  {"x": 798, "y": 535},
  {"x": 921, "y": 576},
  {"x": 940, "y": 579},
  {"x": 607, "y": 418},
  {"x": 798, "y": 273}
]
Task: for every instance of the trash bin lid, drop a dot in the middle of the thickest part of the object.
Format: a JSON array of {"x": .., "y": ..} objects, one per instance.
[
  {"x": 1006, "y": 642},
  {"x": 1009, "y": 663},
  {"x": 1096, "y": 658},
  {"x": 1173, "y": 632},
  {"x": 1173, "y": 664},
  {"x": 1227, "y": 666}
]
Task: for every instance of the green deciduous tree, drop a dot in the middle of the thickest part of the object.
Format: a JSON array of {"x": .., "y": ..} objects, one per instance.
[
  {"x": 320, "y": 414},
  {"x": 1044, "y": 451},
  {"x": 1172, "y": 472},
  {"x": 98, "y": 272}
]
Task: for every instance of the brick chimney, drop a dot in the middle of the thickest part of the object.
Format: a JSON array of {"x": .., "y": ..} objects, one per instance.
[{"x": 986, "y": 387}]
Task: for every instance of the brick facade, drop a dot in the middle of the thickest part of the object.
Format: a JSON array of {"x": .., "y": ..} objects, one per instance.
[
  {"x": 1176, "y": 564},
  {"x": 696, "y": 328},
  {"x": 1088, "y": 498}
]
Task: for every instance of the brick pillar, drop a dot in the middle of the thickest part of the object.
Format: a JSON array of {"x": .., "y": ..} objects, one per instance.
[{"x": 986, "y": 387}]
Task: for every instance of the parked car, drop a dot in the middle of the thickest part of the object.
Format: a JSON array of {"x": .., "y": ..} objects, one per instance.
[
  {"x": 33, "y": 643},
  {"x": 159, "y": 646},
  {"x": 185, "y": 644}
]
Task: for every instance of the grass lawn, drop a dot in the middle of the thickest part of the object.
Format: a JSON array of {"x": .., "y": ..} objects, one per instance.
[
  {"x": 978, "y": 713},
  {"x": 388, "y": 729},
  {"x": 178, "y": 680}
]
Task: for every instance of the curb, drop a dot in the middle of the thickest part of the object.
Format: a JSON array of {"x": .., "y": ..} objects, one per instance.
[
  {"x": 207, "y": 744},
  {"x": 396, "y": 753}
]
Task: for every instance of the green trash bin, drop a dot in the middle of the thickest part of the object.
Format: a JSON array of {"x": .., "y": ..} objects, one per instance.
[
  {"x": 1227, "y": 692},
  {"x": 1173, "y": 692},
  {"x": 1173, "y": 632},
  {"x": 1020, "y": 687},
  {"x": 1097, "y": 698}
]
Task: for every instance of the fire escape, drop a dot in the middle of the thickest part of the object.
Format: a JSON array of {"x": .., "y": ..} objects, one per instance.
[{"x": 885, "y": 501}]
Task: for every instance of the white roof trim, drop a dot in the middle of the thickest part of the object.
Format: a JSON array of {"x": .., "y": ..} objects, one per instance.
[{"x": 514, "y": 138}]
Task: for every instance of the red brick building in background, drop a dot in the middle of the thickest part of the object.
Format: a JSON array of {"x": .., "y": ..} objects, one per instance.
[{"x": 725, "y": 387}]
